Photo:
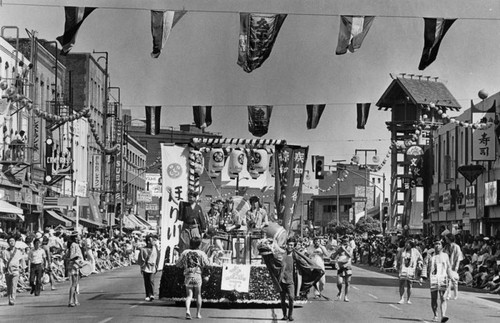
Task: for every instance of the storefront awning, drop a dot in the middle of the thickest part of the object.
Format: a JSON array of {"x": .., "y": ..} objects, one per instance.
[
  {"x": 53, "y": 218},
  {"x": 6, "y": 207}
]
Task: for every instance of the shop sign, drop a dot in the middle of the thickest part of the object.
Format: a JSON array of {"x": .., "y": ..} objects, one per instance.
[
  {"x": 96, "y": 173},
  {"x": 28, "y": 195},
  {"x": 470, "y": 196},
  {"x": 491, "y": 193},
  {"x": 8, "y": 216},
  {"x": 151, "y": 207},
  {"x": 447, "y": 200},
  {"x": 144, "y": 196},
  {"x": 18, "y": 197}
]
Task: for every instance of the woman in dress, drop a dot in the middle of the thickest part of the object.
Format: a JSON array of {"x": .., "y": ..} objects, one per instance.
[{"x": 193, "y": 260}]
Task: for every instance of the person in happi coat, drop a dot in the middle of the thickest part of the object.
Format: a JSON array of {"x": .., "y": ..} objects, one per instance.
[
  {"x": 191, "y": 214},
  {"x": 408, "y": 260},
  {"x": 437, "y": 269}
]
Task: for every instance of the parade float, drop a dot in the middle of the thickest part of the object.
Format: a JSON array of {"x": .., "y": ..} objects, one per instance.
[{"x": 239, "y": 273}]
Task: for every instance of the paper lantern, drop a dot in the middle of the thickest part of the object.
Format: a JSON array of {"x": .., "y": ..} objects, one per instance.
[
  {"x": 260, "y": 160},
  {"x": 236, "y": 161},
  {"x": 483, "y": 94},
  {"x": 11, "y": 91},
  {"x": 198, "y": 162},
  {"x": 4, "y": 85},
  {"x": 271, "y": 164},
  {"x": 215, "y": 162}
]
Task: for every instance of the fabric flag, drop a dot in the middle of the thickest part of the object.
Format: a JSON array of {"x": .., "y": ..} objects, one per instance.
[
  {"x": 259, "y": 117},
  {"x": 290, "y": 165},
  {"x": 153, "y": 114},
  {"x": 162, "y": 23},
  {"x": 174, "y": 174},
  {"x": 74, "y": 19},
  {"x": 202, "y": 116},
  {"x": 434, "y": 31},
  {"x": 353, "y": 30},
  {"x": 258, "y": 33},
  {"x": 363, "y": 110},
  {"x": 314, "y": 112}
]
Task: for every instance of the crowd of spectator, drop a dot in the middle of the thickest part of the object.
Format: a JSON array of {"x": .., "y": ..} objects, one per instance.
[
  {"x": 479, "y": 260},
  {"x": 102, "y": 250}
]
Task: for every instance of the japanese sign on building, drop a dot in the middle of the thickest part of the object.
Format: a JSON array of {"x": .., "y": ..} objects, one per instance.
[
  {"x": 96, "y": 171},
  {"x": 483, "y": 140},
  {"x": 291, "y": 161}
]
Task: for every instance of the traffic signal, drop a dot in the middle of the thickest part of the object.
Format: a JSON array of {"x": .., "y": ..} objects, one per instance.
[{"x": 319, "y": 166}]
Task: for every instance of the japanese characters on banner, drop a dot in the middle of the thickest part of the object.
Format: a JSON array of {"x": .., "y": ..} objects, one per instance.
[
  {"x": 96, "y": 173},
  {"x": 235, "y": 277},
  {"x": 290, "y": 165},
  {"x": 483, "y": 140},
  {"x": 414, "y": 156},
  {"x": 175, "y": 170}
]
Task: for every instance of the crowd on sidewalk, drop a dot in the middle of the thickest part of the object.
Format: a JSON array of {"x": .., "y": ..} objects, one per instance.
[
  {"x": 479, "y": 258},
  {"x": 44, "y": 256}
]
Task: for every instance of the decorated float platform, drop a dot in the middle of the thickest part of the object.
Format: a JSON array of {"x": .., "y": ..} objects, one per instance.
[{"x": 261, "y": 289}]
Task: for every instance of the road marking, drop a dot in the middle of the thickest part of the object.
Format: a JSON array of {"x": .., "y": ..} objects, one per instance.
[
  {"x": 355, "y": 287},
  {"x": 134, "y": 306},
  {"x": 373, "y": 296},
  {"x": 392, "y": 305},
  {"x": 106, "y": 320}
]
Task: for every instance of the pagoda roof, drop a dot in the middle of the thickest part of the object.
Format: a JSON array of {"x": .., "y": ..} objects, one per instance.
[{"x": 418, "y": 90}]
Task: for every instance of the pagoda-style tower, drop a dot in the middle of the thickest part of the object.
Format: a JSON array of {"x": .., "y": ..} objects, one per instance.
[{"x": 410, "y": 98}]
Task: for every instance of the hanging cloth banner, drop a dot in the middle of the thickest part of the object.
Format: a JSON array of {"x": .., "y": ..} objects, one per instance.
[
  {"x": 74, "y": 19},
  {"x": 153, "y": 116},
  {"x": 259, "y": 117},
  {"x": 258, "y": 33},
  {"x": 202, "y": 116},
  {"x": 175, "y": 170},
  {"x": 314, "y": 112},
  {"x": 352, "y": 32},
  {"x": 290, "y": 165},
  {"x": 434, "y": 31},
  {"x": 363, "y": 111},
  {"x": 162, "y": 23}
]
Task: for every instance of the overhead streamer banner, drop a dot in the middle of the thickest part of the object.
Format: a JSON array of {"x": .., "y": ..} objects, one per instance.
[
  {"x": 75, "y": 16},
  {"x": 363, "y": 109},
  {"x": 202, "y": 116},
  {"x": 258, "y": 33},
  {"x": 162, "y": 23},
  {"x": 290, "y": 166},
  {"x": 314, "y": 112},
  {"x": 434, "y": 31},
  {"x": 153, "y": 117},
  {"x": 259, "y": 117},
  {"x": 352, "y": 32},
  {"x": 175, "y": 171},
  {"x": 483, "y": 140}
]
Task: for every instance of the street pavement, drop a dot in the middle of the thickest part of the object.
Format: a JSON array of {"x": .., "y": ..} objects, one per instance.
[{"x": 118, "y": 296}]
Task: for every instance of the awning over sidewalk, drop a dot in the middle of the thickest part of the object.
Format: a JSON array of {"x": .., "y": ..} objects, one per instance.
[
  {"x": 53, "y": 218},
  {"x": 10, "y": 212},
  {"x": 6, "y": 207}
]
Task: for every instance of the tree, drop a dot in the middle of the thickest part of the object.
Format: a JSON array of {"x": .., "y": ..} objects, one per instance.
[
  {"x": 344, "y": 228},
  {"x": 368, "y": 225}
]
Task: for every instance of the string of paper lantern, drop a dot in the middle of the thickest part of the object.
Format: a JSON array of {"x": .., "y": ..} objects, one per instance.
[
  {"x": 237, "y": 141},
  {"x": 56, "y": 118},
  {"x": 112, "y": 150}
]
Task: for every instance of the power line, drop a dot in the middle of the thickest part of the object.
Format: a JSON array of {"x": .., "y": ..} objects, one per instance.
[{"x": 142, "y": 8}]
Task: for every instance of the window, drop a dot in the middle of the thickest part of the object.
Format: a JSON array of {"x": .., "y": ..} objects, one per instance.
[{"x": 329, "y": 208}]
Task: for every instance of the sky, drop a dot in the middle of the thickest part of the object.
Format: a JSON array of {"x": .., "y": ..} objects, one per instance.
[{"x": 198, "y": 64}]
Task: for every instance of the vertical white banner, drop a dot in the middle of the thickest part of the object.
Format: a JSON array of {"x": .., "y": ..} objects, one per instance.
[
  {"x": 175, "y": 170},
  {"x": 96, "y": 173}
]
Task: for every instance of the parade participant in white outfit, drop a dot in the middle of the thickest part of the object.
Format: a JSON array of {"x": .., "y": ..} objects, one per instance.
[
  {"x": 407, "y": 262},
  {"x": 437, "y": 268},
  {"x": 318, "y": 252}
]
